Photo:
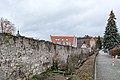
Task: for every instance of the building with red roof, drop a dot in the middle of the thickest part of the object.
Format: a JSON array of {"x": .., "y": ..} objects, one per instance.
[
  {"x": 86, "y": 41},
  {"x": 65, "y": 40}
]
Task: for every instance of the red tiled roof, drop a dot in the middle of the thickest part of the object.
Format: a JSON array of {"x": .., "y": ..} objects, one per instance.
[{"x": 62, "y": 38}]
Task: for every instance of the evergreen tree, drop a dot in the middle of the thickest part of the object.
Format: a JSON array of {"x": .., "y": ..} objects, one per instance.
[
  {"x": 111, "y": 36},
  {"x": 119, "y": 36},
  {"x": 99, "y": 43}
]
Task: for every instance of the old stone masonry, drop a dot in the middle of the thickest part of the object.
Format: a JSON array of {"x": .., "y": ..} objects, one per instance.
[{"x": 21, "y": 57}]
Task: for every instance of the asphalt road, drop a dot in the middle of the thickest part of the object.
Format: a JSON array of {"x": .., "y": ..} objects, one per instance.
[{"x": 104, "y": 68}]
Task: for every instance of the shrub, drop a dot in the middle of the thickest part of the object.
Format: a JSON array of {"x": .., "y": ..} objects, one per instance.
[
  {"x": 72, "y": 63},
  {"x": 44, "y": 75},
  {"x": 115, "y": 51},
  {"x": 55, "y": 65}
]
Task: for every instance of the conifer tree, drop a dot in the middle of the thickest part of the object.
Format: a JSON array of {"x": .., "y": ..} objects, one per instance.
[
  {"x": 99, "y": 43},
  {"x": 111, "y": 37}
]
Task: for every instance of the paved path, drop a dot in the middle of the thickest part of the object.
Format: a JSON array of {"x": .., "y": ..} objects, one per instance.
[{"x": 104, "y": 68}]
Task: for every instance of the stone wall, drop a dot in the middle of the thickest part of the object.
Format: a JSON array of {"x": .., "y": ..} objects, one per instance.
[{"x": 21, "y": 57}]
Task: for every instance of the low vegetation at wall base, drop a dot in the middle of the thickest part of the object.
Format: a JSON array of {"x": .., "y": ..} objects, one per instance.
[{"x": 115, "y": 51}]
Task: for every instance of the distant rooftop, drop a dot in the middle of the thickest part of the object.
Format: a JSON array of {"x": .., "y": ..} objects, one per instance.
[{"x": 86, "y": 36}]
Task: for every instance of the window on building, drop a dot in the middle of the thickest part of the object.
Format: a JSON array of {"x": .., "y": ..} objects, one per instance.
[
  {"x": 66, "y": 39},
  {"x": 57, "y": 41},
  {"x": 67, "y": 43},
  {"x": 63, "y": 43}
]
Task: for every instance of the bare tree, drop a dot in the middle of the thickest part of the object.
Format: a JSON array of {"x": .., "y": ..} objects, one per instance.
[{"x": 6, "y": 26}]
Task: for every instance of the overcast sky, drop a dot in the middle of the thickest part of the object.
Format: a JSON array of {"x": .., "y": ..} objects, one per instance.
[{"x": 42, "y": 18}]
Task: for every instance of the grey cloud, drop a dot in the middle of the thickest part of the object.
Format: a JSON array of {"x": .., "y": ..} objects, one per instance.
[{"x": 42, "y": 18}]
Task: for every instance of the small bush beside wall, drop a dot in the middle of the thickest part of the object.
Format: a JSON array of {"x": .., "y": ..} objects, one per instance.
[{"x": 115, "y": 51}]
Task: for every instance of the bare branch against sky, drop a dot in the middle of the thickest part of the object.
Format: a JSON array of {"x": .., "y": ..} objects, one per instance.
[{"x": 42, "y": 18}]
